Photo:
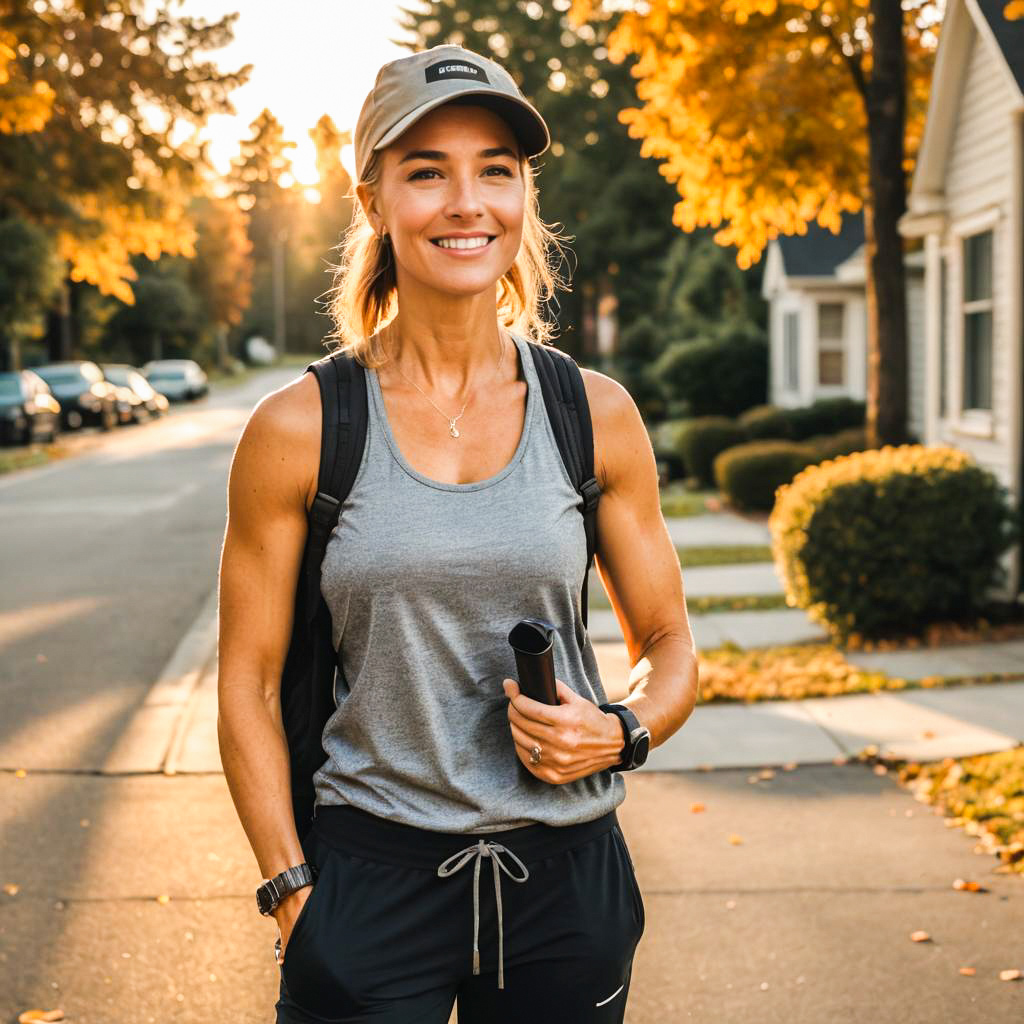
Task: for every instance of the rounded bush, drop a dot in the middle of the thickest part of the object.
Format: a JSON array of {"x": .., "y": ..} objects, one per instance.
[
  {"x": 715, "y": 378},
  {"x": 700, "y": 440},
  {"x": 887, "y": 541},
  {"x": 665, "y": 442},
  {"x": 750, "y": 473},
  {"x": 845, "y": 442},
  {"x": 826, "y": 416},
  {"x": 767, "y": 421}
]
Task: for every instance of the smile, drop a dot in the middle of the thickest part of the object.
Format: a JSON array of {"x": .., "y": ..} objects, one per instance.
[{"x": 463, "y": 244}]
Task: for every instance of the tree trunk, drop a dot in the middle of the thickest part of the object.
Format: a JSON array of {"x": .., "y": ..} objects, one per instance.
[{"x": 886, "y": 286}]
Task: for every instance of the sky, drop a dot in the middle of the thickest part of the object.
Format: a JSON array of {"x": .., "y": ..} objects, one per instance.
[{"x": 309, "y": 57}]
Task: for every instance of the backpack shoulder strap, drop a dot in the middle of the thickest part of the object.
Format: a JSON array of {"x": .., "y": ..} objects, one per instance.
[
  {"x": 565, "y": 399},
  {"x": 342, "y": 436}
]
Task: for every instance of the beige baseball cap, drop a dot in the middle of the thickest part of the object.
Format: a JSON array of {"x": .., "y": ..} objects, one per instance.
[{"x": 409, "y": 87}]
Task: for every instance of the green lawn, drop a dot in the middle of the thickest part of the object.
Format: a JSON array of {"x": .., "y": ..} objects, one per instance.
[
  {"x": 728, "y": 554},
  {"x": 678, "y": 502}
]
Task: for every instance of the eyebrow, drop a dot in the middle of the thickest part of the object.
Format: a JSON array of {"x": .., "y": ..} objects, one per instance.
[{"x": 437, "y": 154}]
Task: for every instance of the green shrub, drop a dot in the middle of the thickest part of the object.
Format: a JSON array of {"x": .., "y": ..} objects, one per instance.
[
  {"x": 715, "y": 378},
  {"x": 665, "y": 442},
  {"x": 767, "y": 421},
  {"x": 748, "y": 474},
  {"x": 845, "y": 442},
  {"x": 826, "y": 416},
  {"x": 700, "y": 440},
  {"x": 889, "y": 540}
]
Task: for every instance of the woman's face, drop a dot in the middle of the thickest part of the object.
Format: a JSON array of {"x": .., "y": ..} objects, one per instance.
[{"x": 454, "y": 174}]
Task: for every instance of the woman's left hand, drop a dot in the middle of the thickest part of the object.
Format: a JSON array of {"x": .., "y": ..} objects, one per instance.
[{"x": 576, "y": 737}]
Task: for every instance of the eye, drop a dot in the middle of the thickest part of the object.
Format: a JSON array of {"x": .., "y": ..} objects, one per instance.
[{"x": 415, "y": 176}]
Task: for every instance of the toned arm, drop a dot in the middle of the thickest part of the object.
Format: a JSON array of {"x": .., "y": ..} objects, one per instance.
[
  {"x": 638, "y": 565},
  {"x": 271, "y": 484}
]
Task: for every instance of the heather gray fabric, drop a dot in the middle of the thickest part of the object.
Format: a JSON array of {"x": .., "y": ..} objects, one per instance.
[{"x": 424, "y": 580}]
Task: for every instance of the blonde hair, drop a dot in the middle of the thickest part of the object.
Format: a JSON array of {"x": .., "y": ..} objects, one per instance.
[{"x": 364, "y": 294}]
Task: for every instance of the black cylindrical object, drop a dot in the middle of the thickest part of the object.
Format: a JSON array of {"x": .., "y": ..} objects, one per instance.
[{"x": 532, "y": 641}]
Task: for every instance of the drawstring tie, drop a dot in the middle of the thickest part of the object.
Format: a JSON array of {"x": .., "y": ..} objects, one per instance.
[{"x": 492, "y": 850}]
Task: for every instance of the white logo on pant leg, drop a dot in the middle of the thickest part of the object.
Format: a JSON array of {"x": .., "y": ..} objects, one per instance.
[{"x": 611, "y": 997}]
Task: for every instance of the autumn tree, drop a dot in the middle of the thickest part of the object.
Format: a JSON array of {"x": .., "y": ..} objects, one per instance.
[
  {"x": 92, "y": 94},
  {"x": 335, "y": 183},
  {"x": 222, "y": 270},
  {"x": 767, "y": 113},
  {"x": 594, "y": 185}
]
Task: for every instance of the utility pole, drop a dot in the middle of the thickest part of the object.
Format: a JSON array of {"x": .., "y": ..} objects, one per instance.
[{"x": 280, "y": 237}]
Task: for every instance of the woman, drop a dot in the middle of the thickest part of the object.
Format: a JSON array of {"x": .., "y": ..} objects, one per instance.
[{"x": 461, "y": 521}]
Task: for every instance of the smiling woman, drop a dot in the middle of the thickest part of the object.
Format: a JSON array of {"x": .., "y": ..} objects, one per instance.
[{"x": 461, "y": 519}]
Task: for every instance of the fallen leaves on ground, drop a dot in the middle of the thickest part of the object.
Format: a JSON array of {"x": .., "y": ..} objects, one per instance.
[
  {"x": 983, "y": 794},
  {"x": 920, "y": 936},
  {"x": 30, "y": 1016},
  {"x": 798, "y": 671},
  {"x": 963, "y": 886}
]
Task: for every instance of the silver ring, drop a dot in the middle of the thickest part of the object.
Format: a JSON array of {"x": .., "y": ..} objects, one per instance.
[{"x": 535, "y": 754}]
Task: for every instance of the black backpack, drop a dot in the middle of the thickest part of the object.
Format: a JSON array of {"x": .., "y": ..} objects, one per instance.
[{"x": 307, "y": 679}]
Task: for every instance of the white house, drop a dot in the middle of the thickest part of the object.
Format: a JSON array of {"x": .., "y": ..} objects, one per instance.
[
  {"x": 966, "y": 203},
  {"x": 816, "y": 289}
]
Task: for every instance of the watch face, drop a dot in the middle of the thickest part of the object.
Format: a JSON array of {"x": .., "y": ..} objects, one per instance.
[
  {"x": 641, "y": 748},
  {"x": 263, "y": 900}
]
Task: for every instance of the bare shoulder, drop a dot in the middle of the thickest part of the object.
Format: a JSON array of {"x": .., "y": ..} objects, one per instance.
[
  {"x": 279, "y": 450},
  {"x": 622, "y": 447}
]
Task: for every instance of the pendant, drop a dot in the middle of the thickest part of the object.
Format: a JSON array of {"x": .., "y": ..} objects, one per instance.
[{"x": 452, "y": 429}]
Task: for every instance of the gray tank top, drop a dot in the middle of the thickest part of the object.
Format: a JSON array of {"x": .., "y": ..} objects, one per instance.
[{"x": 424, "y": 580}]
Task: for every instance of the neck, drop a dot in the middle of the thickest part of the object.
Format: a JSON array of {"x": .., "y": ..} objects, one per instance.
[{"x": 446, "y": 358}]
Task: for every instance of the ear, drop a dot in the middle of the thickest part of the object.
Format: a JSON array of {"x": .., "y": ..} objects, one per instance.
[{"x": 368, "y": 201}]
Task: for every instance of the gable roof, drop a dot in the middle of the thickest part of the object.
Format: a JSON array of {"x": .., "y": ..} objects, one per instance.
[
  {"x": 819, "y": 252},
  {"x": 1008, "y": 36}
]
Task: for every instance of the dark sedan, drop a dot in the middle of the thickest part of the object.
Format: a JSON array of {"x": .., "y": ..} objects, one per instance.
[
  {"x": 181, "y": 380},
  {"x": 28, "y": 411},
  {"x": 86, "y": 397},
  {"x": 145, "y": 401}
]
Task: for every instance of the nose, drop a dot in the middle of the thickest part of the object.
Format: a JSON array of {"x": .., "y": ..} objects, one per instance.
[{"x": 462, "y": 197}]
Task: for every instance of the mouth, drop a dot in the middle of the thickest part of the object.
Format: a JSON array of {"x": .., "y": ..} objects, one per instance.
[{"x": 464, "y": 246}]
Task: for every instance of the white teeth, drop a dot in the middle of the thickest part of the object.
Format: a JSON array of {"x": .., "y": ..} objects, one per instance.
[{"x": 462, "y": 243}]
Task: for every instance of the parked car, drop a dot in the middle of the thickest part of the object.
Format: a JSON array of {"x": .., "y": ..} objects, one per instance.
[
  {"x": 146, "y": 401},
  {"x": 28, "y": 410},
  {"x": 86, "y": 397},
  {"x": 181, "y": 380}
]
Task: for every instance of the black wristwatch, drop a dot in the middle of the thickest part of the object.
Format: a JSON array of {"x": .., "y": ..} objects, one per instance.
[
  {"x": 273, "y": 890},
  {"x": 638, "y": 738}
]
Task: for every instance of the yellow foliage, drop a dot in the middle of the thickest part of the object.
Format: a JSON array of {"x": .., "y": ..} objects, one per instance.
[
  {"x": 103, "y": 256},
  {"x": 782, "y": 143},
  {"x": 24, "y": 106},
  {"x": 1014, "y": 10}
]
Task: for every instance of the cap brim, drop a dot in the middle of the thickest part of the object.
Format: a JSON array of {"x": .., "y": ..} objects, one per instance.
[{"x": 528, "y": 125}]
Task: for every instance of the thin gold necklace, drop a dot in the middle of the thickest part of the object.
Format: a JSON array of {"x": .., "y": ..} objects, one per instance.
[{"x": 452, "y": 429}]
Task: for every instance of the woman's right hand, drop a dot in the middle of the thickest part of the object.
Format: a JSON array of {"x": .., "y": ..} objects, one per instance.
[{"x": 287, "y": 912}]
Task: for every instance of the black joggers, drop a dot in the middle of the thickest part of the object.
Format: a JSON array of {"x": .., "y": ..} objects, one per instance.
[{"x": 534, "y": 924}]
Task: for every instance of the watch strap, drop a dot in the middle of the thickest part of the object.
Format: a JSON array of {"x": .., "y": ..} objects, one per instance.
[
  {"x": 273, "y": 890},
  {"x": 629, "y": 722}
]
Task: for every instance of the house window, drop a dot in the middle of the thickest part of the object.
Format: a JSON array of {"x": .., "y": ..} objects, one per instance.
[
  {"x": 977, "y": 323},
  {"x": 943, "y": 333},
  {"x": 791, "y": 350},
  {"x": 830, "y": 343}
]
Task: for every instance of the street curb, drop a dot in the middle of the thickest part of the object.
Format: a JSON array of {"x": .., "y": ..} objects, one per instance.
[{"x": 149, "y": 743}]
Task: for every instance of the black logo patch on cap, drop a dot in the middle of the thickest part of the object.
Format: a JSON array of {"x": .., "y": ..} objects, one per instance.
[{"x": 455, "y": 69}]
